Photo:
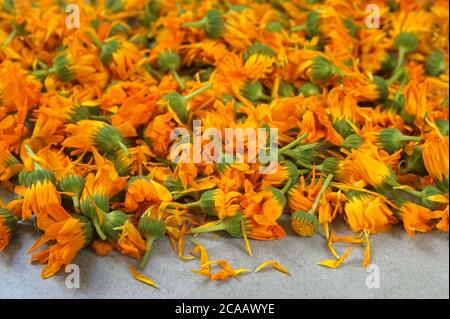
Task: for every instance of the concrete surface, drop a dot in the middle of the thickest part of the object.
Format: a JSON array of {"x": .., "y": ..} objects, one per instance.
[{"x": 408, "y": 268}]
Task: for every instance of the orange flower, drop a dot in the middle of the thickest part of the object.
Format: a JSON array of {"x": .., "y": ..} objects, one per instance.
[
  {"x": 9, "y": 165},
  {"x": 158, "y": 132},
  {"x": 42, "y": 200},
  {"x": 416, "y": 218},
  {"x": 302, "y": 195},
  {"x": 7, "y": 227},
  {"x": 435, "y": 155},
  {"x": 366, "y": 165},
  {"x": 262, "y": 211},
  {"x": 143, "y": 192},
  {"x": 368, "y": 212},
  {"x": 130, "y": 241},
  {"x": 70, "y": 236}
]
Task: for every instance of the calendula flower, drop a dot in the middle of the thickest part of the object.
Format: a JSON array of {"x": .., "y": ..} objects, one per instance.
[
  {"x": 151, "y": 227},
  {"x": 130, "y": 241},
  {"x": 364, "y": 164},
  {"x": 212, "y": 23},
  {"x": 158, "y": 132},
  {"x": 262, "y": 210},
  {"x": 9, "y": 165},
  {"x": 218, "y": 203},
  {"x": 70, "y": 236},
  {"x": 7, "y": 227},
  {"x": 368, "y": 212},
  {"x": 86, "y": 134},
  {"x": 143, "y": 192},
  {"x": 305, "y": 223},
  {"x": 435, "y": 155},
  {"x": 95, "y": 199},
  {"x": 416, "y": 218}
]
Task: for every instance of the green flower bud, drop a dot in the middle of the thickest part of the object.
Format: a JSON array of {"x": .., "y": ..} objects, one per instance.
[
  {"x": 170, "y": 61},
  {"x": 254, "y": 91},
  {"x": 79, "y": 113},
  {"x": 108, "y": 140},
  {"x": 151, "y": 228},
  {"x": 352, "y": 141},
  {"x": 72, "y": 184},
  {"x": 61, "y": 68},
  {"x": 112, "y": 221},
  {"x": 212, "y": 24},
  {"x": 330, "y": 165},
  {"x": 406, "y": 42},
  {"x": 88, "y": 229},
  {"x": 258, "y": 48},
  {"x": 322, "y": 69},
  {"x": 435, "y": 63},
  {"x": 108, "y": 49},
  {"x": 121, "y": 161},
  {"x": 392, "y": 139},
  {"x": 286, "y": 89},
  {"x": 309, "y": 89},
  {"x": 382, "y": 87},
  {"x": 39, "y": 175},
  {"x": 312, "y": 24},
  {"x": 208, "y": 201},
  {"x": 278, "y": 195},
  {"x": 304, "y": 224},
  {"x": 178, "y": 102},
  {"x": 443, "y": 126},
  {"x": 342, "y": 127}
]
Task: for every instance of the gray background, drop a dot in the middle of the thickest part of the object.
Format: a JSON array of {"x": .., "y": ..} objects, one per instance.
[{"x": 409, "y": 268}]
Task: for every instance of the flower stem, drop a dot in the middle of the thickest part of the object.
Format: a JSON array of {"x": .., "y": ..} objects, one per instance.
[
  {"x": 148, "y": 250},
  {"x": 286, "y": 186},
  {"x": 195, "y": 24},
  {"x": 99, "y": 230},
  {"x": 178, "y": 79},
  {"x": 319, "y": 196},
  {"x": 294, "y": 143},
  {"x": 197, "y": 92}
]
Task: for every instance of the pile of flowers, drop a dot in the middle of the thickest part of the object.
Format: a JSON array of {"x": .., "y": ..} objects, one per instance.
[{"x": 89, "y": 98}]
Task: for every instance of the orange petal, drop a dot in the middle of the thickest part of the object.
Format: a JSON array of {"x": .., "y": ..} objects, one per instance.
[
  {"x": 141, "y": 277},
  {"x": 336, "y": 263}
]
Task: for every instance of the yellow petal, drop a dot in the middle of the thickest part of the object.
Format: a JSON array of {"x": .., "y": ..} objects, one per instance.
[
  {"x": 247, "y": 243},
  {"x": 274, "y": 264},
  {"x": 336, "y": 263},
  {"x": 366, "y": 260},
  {"x": 141, "y": 277}
]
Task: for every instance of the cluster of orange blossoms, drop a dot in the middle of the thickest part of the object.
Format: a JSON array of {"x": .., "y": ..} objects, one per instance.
[{"x": 89, "y": 98}]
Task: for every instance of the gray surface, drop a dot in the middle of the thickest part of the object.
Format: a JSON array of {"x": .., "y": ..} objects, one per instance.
[{"x": 409, "y": 268}]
